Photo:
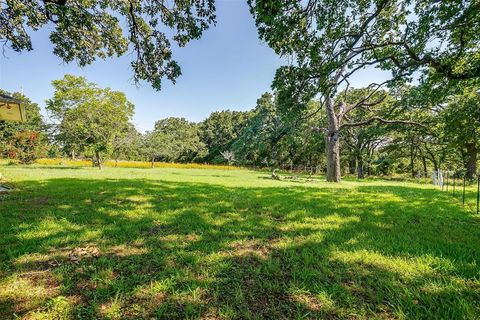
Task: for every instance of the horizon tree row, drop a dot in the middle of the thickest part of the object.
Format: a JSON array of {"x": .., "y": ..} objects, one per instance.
[{"x": 437, "y": 130}]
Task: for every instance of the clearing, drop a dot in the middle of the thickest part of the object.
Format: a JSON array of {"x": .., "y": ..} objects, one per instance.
[{"x": 221, "y": 244}]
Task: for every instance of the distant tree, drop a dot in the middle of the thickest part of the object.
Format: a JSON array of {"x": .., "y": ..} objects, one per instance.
[
  {"x": 127, "y": 144},
  {"x": 229, "y": 156},
  {"x": 151, "y": 146},
  {"x": 450, "y": 110},
  {"x": 88, "y": 116},
  {"x": 220, "y": 130},
  {"x": 175, "y": 139},
  {"x": 264, "y": 129},
  {"x": 83, "y": 31},
  {"x": 462, "y": 125},
  {"x": 361, "y": 137},
  {"x": 274, "y": 136}
]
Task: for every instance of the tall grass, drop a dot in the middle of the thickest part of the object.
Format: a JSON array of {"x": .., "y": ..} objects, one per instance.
[{"x": 132, "y": 164}]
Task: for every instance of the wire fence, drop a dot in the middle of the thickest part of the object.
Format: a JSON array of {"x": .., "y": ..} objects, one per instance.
[{"x": 456, "y": 183}]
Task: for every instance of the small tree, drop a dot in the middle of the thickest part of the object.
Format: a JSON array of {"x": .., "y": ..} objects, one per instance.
[
  {"x": 151, "y": 146},
  {"x": 88, "y": 116},
  {"x": 229, "y": 156},
  {"x": 127, "y": 144}
]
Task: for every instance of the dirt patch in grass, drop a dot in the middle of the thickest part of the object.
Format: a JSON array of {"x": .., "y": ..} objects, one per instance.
[
  {"x": 27, "y": 291},
  {"x": 127, "y": 250},
  {"x": 40, "y": 201}
]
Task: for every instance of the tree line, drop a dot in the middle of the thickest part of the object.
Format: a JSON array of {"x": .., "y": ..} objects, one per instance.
[
  {"x": 425, "y": 112},
  {"x": 87, "y": 121}
]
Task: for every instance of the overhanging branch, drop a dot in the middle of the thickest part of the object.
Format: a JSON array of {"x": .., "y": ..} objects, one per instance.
[{"x": 381, "y": 120}]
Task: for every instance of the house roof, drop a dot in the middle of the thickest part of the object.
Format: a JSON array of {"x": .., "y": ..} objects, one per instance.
[
  {"x": 11, "y": 109},
  {"x": 8, "y": 99}
]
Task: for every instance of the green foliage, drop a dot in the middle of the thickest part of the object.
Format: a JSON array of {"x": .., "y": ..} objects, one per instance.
[
  {"x": 13, "y": 134},
  {"x": 362, "y": 141},
  {"x": 461, "y": 121},
  {"x": 273, "y": 136},
  {"x": 88, "y": 117},
  {"x": 258, "y": 140},
  {"x": 402, "y": 36},
  {"x": 219, "y": 131},
  {"x": 127, "y": 145},
  {"x": 83, "y": 31},
  {"x": 26, "y": 146},
  {"x": 331, "y": 42},
  {"x": 174, "y": 139}
]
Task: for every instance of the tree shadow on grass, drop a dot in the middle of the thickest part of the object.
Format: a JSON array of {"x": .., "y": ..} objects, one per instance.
[
  {"x": 55, "y": 167},
  {"x": 191, "y": 250}
]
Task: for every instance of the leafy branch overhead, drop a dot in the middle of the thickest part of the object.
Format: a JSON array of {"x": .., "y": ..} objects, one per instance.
[
  {"x": 402, "y": 36},
  {"x": 83, "y": 31}
]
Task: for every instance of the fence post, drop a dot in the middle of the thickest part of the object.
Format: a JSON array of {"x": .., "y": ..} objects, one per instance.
[
  {"x": 463, "y": 197},
  {"x": 453, "y": 193},
  {"x": 447, "y": 180},
  {"x": 442, "y": 181},
  {"x": 478, "y": 191}
]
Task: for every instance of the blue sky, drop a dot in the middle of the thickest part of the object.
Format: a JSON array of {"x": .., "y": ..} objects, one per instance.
[{"x": 228, "y": 68}]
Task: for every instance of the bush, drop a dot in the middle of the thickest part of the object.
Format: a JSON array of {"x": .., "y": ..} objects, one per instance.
[{"x": 26, "y": 146}]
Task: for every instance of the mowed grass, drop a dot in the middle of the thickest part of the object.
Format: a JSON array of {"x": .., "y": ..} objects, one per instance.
[{"x": 79, "y": 243}]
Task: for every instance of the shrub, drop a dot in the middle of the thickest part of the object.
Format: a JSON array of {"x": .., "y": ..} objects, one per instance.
[{"x": 26, "y": 146}]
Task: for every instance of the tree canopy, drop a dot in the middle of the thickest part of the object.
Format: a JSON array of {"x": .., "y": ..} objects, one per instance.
[
  {"x": 83, "y": 31},
  {"x": 88, "y": 117},
  {"x": 330, "y": 41},
  {"x": 175, "y": 139}
]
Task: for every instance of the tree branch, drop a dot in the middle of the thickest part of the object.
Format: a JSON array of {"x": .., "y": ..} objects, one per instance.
[{"x": 381, "y": 120}]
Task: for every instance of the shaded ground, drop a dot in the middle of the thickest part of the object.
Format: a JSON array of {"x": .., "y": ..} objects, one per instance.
[{"x": 130, "y": 244}]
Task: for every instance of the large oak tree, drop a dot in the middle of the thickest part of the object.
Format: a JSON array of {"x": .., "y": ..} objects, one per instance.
[{"x": 331, "y": 41}]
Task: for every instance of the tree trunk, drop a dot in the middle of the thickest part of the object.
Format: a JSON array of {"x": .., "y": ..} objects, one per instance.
[
  {"x": 332, "y": 143},
  {"x": 73, "y": 154},
  {"x": 360, "y": 174},
  {"x": 471, "y": 160},
  {"x": 352, "y": 165},
  {"x": 412, "y": 159},
  {"x": 153, "y": 161},
  {"x": 425, "y": 173},
  {"x": 333, "y": 158},
  {"x": 99, "y": 160},
  {"x": 432, "y": 158},
  {"x": 435, "y": 164}
]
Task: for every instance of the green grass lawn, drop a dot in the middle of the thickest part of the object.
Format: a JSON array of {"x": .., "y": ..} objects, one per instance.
[{"x": 79, "y": 243}]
